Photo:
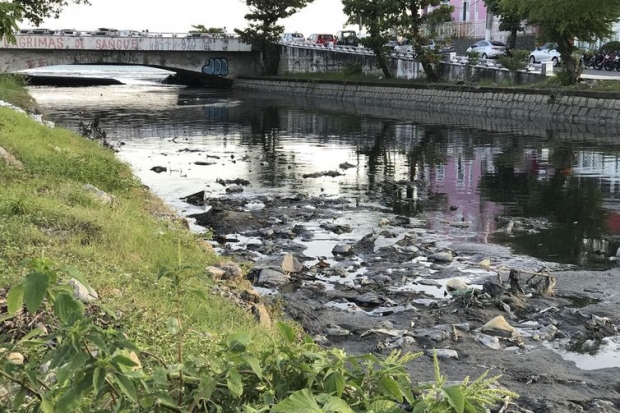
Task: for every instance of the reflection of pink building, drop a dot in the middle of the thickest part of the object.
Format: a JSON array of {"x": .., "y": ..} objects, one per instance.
[{"x": 458, "y": 179}]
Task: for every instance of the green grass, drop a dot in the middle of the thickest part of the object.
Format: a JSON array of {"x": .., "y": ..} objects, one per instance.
[
  {"x": 339, "y": 76},
  {"x": 12, "y": 90},
  {"x": 45, "y": 212},
  {"x": 612, "y": 86}
]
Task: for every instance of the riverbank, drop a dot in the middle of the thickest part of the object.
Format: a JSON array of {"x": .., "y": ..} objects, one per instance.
[
  {"x": 521, "y": 104},
  {"x": 200, "y": 339}
]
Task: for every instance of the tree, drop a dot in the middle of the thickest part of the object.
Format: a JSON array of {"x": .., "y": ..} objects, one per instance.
[
  {"x": 263, "y": 28},
  {"x": 378, "y": 17},
  {"x": 381, "y": 16},
  {"x": 201, "y": 28},
  {"x": 36, "y": 11},
  {"x": 10, "y": 13},
  {"x": 562, "y": 22},
  {"x": 412, "y": 22},
  {"x": 508, "y": 21}
]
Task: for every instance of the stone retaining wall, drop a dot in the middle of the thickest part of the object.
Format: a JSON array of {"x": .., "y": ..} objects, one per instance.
[{"x": 521, "y": 104}]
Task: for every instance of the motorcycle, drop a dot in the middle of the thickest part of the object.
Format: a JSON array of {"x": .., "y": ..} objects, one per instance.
[{"x": 591, "y": 60}]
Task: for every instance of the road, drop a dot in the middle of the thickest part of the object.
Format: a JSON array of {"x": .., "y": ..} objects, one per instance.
[{"x": 600, "y": 74}]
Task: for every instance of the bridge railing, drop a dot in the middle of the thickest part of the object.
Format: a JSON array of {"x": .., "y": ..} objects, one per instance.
[{"x": 119, "y": 33}]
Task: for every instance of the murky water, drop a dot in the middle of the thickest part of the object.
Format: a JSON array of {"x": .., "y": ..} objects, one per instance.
[{"x": 473, "y": 170}]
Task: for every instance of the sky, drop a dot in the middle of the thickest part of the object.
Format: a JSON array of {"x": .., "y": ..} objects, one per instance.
[{"x": 178, "y": 16}]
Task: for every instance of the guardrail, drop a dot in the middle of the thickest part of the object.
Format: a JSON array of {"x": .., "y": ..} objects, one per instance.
[
  {"x": 451, "y": 57},
  {"x": 139, "y": 34}
]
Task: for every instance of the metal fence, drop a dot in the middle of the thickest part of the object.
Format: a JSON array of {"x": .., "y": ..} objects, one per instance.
[{"x": 474, "y": 30}]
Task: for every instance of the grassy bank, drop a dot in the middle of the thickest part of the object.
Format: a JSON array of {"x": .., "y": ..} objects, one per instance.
[
  {"x": 176, "y": 344},
  {"x": 120, "y": 248},
  {"x": 611, "y": 86}
]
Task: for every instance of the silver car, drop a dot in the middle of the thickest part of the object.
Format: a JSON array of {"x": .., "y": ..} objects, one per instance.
[
  {"x": 293, "y": 37},
  {"x": 488, "y": 49},
  {"x": 545, "y": 53}
]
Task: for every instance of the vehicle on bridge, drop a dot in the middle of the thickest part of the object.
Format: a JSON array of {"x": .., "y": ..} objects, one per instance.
[
  {"x": 200, "y": 34},
  {"x": 323, "y": 39},
  {"x": 67, "y": 32},
  {"x": 131, "y": 33},
  {"x": 102, "y": 31},
  {"x": 347, "y": 38},
  {"x": 36, "y": 30},
  {"x": 293, "y": 37}
]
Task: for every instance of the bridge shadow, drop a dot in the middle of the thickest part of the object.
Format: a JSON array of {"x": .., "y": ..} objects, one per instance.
[{"x": 189, "y": 78}]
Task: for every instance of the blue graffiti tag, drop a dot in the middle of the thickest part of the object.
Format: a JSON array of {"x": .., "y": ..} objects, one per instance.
[{"x": 216, "y": 67}]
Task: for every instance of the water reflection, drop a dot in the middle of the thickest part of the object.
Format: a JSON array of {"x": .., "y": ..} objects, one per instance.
[{"x": 461, "y": 172}]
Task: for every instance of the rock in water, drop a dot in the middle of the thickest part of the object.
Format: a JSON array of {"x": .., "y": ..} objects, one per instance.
[
  {"x": 290, "y": 264},
  {"x": 159, "y": 169},
  {"x": 499, "y": 327}
]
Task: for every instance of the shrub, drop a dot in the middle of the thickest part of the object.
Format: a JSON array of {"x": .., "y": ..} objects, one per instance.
[
  {"x": 610, "y": 46},
  {"x": 92, "y": 368},
  {"x": 353, "y": 68},
  {"x": 516, "y": 61},
  {"x": 473, "y": 58},
  {"x": 564, "y": 77}
]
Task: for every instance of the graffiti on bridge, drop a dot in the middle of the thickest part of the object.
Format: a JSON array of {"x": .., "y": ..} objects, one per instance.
[{"x": 216, "y": 67}]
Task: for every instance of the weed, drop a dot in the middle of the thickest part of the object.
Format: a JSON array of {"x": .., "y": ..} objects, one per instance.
[
  {"x": 95, "y": 369},
  {"x": 353, "y": 68},
  {"x": 516, "y": 61},
  {"x": 473, "y": 58}
]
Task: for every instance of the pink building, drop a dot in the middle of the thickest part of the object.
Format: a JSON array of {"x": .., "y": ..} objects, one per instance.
[{"x": 468, "y": 10}]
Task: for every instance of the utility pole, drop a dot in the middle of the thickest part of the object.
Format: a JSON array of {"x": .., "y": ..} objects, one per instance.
[{"x": 489, "y": 26}]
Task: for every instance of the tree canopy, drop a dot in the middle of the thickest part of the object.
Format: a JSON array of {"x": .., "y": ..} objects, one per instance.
[
  {"x": 382, "y": 17},
  {"x": 201, "y": 28},
  {"x": 263, "y": 28},
  {"x": 38, "y": 10},
  {"x": 264, "y": 16},
  {"x": 11, "y": 12},
  {"x": 564, "y": 21},
  {"x": 509, "y": 20}
]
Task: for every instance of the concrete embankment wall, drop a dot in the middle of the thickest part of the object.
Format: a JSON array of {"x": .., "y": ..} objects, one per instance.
[{"x": 521, "y": 104}]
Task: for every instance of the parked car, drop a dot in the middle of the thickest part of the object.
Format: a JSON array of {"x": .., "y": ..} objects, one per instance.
[
  {"x": 324, "y": 39},
  {"x": 67, "y": 32},
  {"x": 102, "y": 31},
  {"x": 347, "y": 38},
  {"x": 406, "y": 46},
  {"x": 488, "y": 50},
  {"x": 36, "y": 30},
  {"x": 293, "y": 37},
  {"x": 131, "y": 33},
  {"x": 545, "y": 53},
  {"x": 200, "y": 34},
  {"x": 392, "y": 43}
]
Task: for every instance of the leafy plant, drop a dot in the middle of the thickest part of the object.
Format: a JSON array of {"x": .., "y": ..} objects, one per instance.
[
  {"x": 610, "y": 46},
  {"x": 564, "y": 77},
  {"x": 516, "y": 61},
  {"x": 83, "y": 367},
  {"x": 353, "y": 68},
  {"x": 473, "y": 58}
]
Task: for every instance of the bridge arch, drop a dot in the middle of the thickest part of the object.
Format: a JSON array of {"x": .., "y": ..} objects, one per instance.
[{"x": 210, "y": 59}]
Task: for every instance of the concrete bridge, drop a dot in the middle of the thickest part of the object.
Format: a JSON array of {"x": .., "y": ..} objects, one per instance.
[{"x": 212, "y": 59}]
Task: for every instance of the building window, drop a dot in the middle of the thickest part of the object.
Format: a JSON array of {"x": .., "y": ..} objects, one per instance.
[{"x": 465, "y": 10}]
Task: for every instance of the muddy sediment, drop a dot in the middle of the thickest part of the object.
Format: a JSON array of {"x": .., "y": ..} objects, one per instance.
[{"x": 392, "y": 283}]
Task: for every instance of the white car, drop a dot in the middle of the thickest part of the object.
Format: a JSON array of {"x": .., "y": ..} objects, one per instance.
[
  {"x": 407, "y": 47},
  {"x": 488, "y": 50},
  {"x": 293, "y": 37},
  {"x": 545, "y": 53}
]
